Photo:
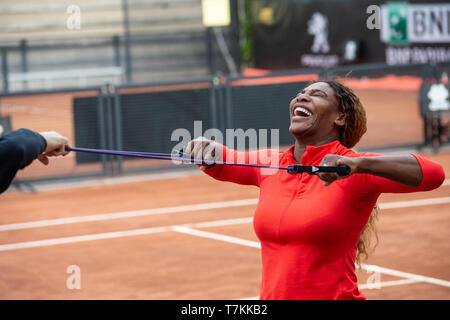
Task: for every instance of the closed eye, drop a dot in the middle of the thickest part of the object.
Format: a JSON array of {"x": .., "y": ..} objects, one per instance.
[
  {"x": 317, "y": 92},
  {"x": 314, "y": 92}
]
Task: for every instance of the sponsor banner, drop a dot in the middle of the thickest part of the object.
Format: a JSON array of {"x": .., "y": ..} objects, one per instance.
[
  {"x": 404, "y": 23},
  {"x": 417, "y": 55},
  {"x": 302, "y": 33}
]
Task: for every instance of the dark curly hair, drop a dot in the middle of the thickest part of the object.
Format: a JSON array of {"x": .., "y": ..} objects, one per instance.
[
  {"x": 355, "y": 116},
  {"x": 350, "y": 133}
]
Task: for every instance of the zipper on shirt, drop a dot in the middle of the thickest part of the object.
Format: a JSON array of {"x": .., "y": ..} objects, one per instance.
[{"x": 294, "y": 195}]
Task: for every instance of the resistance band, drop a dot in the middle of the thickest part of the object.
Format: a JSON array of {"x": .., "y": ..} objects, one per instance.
[{"x": 341, "y": 169}]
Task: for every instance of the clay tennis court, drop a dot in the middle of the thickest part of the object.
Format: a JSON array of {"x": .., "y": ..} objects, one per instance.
[
  {"x": 120, "y": 74},
  {"x": 183, "y": 235},
  {"x": 186, "y": 236}
]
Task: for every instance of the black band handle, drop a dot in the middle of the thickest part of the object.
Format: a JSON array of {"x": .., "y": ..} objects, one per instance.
[{"x": 343, "y": 170}]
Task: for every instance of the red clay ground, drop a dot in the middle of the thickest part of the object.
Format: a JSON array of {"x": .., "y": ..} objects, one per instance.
[{"x": 173, "y": 265}]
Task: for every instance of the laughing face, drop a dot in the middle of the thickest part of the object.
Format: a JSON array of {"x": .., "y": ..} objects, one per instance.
[{"x": 314, "y": 114}]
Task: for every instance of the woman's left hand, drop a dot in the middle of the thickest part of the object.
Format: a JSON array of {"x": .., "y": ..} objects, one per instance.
[{"x": 331, "y": 160}]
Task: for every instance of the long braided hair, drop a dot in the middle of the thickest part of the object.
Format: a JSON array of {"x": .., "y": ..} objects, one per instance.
[{"x": 350, "y": 133}]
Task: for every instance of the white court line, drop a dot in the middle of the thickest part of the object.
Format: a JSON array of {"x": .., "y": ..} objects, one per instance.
[
  {"x": 87, "y": 237},
  {"x": 379, "y": 285},
  {"x": 410, "y": 276},
  {"x": 254, "y": 244},
  {"x": 128, "y": 214},
  {"x": 216, "y": 236},
  {"x": 400, "y": 274},
  {"x": 414, "y": 203},
  {"x": 185, "y": 208},
  {"x": 48, "y": 186},
  {"x": 119, "y": 234},
  {"x": 185, "y": 229},
  {"x": 219, "y": 223}
]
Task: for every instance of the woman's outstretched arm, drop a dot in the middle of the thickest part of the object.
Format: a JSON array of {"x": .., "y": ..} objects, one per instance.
[
  {"x": 202, "y": 148},
  {"x": 405, "y": 173}
]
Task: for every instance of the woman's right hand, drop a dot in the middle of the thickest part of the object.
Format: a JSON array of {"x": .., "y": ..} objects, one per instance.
[{"x": 204, "y": 149}]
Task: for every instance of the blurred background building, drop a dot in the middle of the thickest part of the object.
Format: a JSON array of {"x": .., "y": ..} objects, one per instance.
[{"x": 49, "y": 44}]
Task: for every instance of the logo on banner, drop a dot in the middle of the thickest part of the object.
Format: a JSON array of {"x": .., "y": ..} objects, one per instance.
[
  {"x": 350, "y": 52},
  {"x": 397, "y": 22},
  {"x": 404, "y": 23},
  {"x": 318, "y": 28}
]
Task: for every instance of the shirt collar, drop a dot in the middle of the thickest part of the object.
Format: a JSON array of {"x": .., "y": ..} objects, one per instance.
[{"x": 314, "y": 154}]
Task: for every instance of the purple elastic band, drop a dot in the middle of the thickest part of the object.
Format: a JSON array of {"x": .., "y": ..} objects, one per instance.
[{"x": 167, "y": 156}]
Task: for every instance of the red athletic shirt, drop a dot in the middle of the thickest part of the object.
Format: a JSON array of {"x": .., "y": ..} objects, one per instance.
[{"x": 309, "y": 232}]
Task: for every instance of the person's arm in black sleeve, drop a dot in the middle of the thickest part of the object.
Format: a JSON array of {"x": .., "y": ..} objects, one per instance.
[{"x": 17, "y": 150}]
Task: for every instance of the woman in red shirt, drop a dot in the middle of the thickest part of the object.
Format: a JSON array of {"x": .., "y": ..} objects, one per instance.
[{"x": 310, "y": 225}]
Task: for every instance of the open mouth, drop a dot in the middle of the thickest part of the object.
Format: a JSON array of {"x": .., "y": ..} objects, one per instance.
[{"x": 301, "y": 112}]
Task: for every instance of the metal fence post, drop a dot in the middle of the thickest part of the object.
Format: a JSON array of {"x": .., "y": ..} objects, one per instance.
[
  {"x": 109, "y": 126},
  {"x": 221, "y": 103},
  {"x": 118, "y": 127},
  {"x": 126, "y": 27},
  {"x": 234, "y": 14},
  {"x": 209, "y": 50},
  {"x": 228, "y": 104},
  {"x": 324, "y": 73},
  {"x": 5, "y": 69},
  {"x": 102, "y": 129},
  {"x": 24, "y": 60},
  {"x": 213, "y": 102},
  {"x": 116, "y": 47}
]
